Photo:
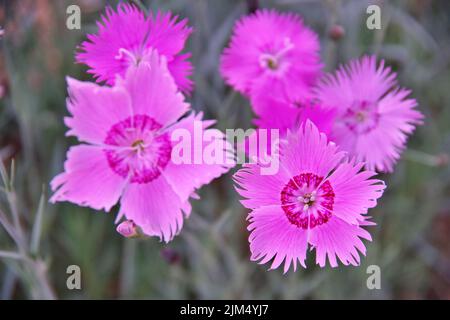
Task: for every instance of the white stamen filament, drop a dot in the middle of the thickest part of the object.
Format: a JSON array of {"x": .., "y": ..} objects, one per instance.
[
  {"x": 308, "y": 200},
  {"x": 130, "y": 55},
  {"x": 273, "y": 60},
  {"x": 288, "y": 45}
]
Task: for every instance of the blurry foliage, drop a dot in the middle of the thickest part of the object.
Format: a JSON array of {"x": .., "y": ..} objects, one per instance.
[{"x": 210, "y": 258}]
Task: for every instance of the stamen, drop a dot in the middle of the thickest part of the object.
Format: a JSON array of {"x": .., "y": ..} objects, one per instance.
[
  {"x": 272, "y": 60},
  {"x": 288, "y": 46},
  {"x": 360, "y": 116},
  {"x": 268, "y": 61},
  {"x": 138, "y": 143},
  {"x": 129, "y": 54}
]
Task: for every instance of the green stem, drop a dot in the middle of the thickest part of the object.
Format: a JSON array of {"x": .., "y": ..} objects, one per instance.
[
  {"x": 10, "y": 255},
  {"x": 425, "y": 158}
]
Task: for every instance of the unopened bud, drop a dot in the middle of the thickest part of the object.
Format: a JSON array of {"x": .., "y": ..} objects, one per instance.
[
  {"x": 170, "y": 255},
  {"x": 336, "y": 32},
  {"x": 128, "y": 229},
  {"x": 442, "y": 160}
]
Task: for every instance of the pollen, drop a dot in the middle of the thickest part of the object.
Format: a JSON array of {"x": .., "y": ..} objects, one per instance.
[{"x": 138, "y": 144}]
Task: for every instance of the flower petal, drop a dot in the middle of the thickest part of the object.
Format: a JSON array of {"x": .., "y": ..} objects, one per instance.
[
  {"x": 153, "y": 91},
  {"x": 308, "y": 150},
  {"x": 167, "y": 35},
  {"x": 87, "y": 180},
  {"x": 337, "y": 238},
  {"x": 185, "y": 178},
  {"x": 354, "y": 191},
  {"x": 154, "y": 207},
  {"x": 95, "y": 109},
  {"x": 274, "y": 237},
  {"x": 259, "y": 190},
  {"x": 181, "y": 69}
]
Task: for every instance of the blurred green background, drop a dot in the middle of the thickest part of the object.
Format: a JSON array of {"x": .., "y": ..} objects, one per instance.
[{"x": 210, "y": 258}]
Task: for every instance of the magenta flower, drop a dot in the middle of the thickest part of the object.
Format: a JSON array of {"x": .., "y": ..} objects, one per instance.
[
  {"x": 317, "y": 198},
  {"x": 374, "y": 117},
  {"x": 126, "y": 37},
  {"x": 128, "y": 155},
  {"x": 275, "y": 51}
]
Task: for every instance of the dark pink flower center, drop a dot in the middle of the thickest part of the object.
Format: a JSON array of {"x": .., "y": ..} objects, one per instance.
[
  {"x": 138, "y": 149},
  {"x": 362, "y": 117},
  {"x": 307, "y": 200}
]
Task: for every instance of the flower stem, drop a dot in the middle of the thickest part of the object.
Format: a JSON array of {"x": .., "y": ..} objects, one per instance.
[
  {"x": 427, "y": 159},
  {"x": 10, "y": 255}
]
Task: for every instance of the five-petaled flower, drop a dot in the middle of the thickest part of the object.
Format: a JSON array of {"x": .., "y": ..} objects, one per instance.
[
  {"x": 373, "y": 116},
  {"x": 272, "y": 54},
  {"x": 318, "y": 198},
  {"x": 127, "y": 129},
  {"x": 125, "y": 37}
]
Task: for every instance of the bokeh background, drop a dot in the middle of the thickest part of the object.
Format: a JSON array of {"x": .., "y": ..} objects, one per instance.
[{"x": 210, "y": 258}]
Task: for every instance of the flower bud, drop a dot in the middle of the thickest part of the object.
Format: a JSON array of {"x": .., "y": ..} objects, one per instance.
[
  {"x": 128, "y": 229},
  {"x": 336, "y": 32},
  {"x": 171, "y": 256}
]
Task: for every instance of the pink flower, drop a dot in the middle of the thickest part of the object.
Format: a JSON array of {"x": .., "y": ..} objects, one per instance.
[
  {"x": 374, "y": 116},
  {"x": 125, "y": 38},
  {"x": 272, "y": 50},
  {"x": 317, "y": 198},
  {"x": 128, "y": 152}
]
